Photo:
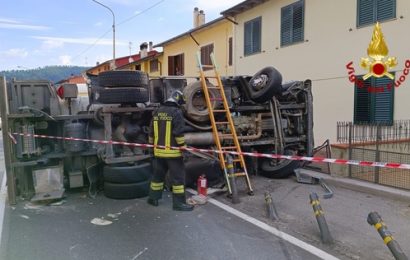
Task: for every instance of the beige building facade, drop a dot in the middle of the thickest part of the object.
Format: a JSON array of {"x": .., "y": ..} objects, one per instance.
[
  {"x": 180, "y": 52},
  {"x": 316, "y": 39}
]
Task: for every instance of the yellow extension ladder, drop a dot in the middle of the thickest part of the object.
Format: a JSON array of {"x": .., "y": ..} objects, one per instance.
[{"x": 222, "y": 119}]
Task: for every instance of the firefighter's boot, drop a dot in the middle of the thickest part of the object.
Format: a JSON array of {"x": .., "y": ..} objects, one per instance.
[
  {"x": 179, "y": 203},
  {"x": 155, "y": 193}
]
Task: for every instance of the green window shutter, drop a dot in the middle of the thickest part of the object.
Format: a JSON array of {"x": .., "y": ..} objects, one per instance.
[
  {"x": 252, "y": 42},
  {"x": 385, "y": 9},
  {"x": 371, "y": 11},
  {"x": 298, "y": 21},
  {"x": 362, "y": 103},
  {"x": 383, "y": 102},
  {"x": 286, "y": 26},
  {"x": 366, "y": 12},
  {"x": 292, "y": 23},
  {"x": 248, "y": 38},
  {"x": 256, "y": 36},
  {"x": 372, "y": 107}
]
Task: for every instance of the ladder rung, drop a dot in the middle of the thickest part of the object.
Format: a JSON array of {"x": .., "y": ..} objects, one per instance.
[
  {"x": 207, "y": 66},
  {"x": 228, "y": 147},
  {"x": 234, "y": 161},
  {"x": 226, "y": 135},
  {"x": 237, "y": 174},
  {"x": 221, "y": 123},
  {"x": 216, "y": 87}
]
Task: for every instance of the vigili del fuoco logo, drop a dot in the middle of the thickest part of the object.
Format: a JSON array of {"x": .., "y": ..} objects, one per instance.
[{"x": 378, "y": 64}]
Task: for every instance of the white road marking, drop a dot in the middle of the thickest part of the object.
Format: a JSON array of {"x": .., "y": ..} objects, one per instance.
[
  {"x": 3, "y": 195},
  {"x": 291, "y": 239}
]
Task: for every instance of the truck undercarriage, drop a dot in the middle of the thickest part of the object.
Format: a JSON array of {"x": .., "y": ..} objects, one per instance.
[{"x": 269, "y": 117}]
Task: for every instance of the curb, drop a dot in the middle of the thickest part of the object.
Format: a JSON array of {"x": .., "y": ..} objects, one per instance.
[{"x": 362, "y": 186}]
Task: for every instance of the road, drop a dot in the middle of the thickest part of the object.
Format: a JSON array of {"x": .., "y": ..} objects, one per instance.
[{"x": 138, "y": 231}]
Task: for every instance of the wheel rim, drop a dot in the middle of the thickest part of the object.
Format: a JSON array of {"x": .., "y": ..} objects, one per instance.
[{"x": 260, "y": 82}]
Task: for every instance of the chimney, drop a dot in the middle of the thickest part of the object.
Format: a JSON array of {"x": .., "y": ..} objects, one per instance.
[
  {"x": 150, "y": 46},
  {"x": 97, "y": 63},
  {"x": 195, "y": 17},
  {"x": 143, "y": 50},
  {"x": 201, "y": 18}
]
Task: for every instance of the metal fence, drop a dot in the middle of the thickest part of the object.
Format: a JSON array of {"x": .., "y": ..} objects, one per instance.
[
  {"x": 378, "y": 143},
  {"x": 396, "y": 131}
]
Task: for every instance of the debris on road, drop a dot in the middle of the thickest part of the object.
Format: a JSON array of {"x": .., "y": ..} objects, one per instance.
[
  {"x": 197, "y": 200},
  {"x": 302, "y": 177},
  {"x": 24, "y": 216},
  {"x": 101, "y": 222}
]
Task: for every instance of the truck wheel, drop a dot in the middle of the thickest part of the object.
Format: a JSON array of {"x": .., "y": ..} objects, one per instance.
[
  {"x": 123, "y": 78},
  {"x": 195, "y": 107},
  {"x": 278, "y": 168},
  {"x": 126, "y": 191},
  {"x": 127, "y": 174},
  {"x": 120, "y": 95},
  {"x": 265, "y": 84}
]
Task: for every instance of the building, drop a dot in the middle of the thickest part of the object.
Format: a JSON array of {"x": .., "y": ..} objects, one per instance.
[
  {"x": 180, "y": 52},
  {"x": 73, "y": 79},
  {"x": 149, "y": 61},
  {"x": 318, "y": 40}
]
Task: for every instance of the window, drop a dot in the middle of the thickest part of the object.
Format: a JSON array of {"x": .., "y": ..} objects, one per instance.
[
  {"x": 230, "y": 52},
  {"x": 292, "y": 23},
  {"x": 253, "y": 36},
  {"x": 372, "y": 11},
  {"x": 206, "y": 55},
  {"x": 153, "y": 65},
  {"x": 372, "y": 107},
  {"x": 176, "y": 65}
]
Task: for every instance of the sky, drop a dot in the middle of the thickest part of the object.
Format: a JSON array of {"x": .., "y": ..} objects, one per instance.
[{"x": 37, "y": 33}]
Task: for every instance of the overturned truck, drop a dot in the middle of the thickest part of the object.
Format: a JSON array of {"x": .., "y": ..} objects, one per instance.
[{"x": 63, "y": 134}]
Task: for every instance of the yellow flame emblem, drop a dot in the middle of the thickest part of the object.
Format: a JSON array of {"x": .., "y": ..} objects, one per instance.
[{"x": 378, "y": 64}]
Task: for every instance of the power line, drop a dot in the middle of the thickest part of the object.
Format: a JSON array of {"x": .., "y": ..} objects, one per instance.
[
  {"x": 118, "y": 24},
  {"x": 91, "y": 45},
  {"x": 138, "y": 14}
]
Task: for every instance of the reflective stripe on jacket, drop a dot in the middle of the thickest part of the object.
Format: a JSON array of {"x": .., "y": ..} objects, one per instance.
[{"x": 167, "y": 129}]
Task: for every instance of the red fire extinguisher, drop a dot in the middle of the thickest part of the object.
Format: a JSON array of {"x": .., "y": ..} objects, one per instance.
[{"x": 202, "y": 185}]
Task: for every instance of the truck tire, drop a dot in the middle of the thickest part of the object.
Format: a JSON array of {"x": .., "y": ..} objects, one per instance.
[
  {"x": 120, "y": 95},
  {"x": 127, "y": 174},
  {"x": 126, "y": 191},
  {"x": 123, "y": 78},
  {"x": 265, "y": 84},
  {"x": 280, "y": 171},
  {"x": 277, "y": 168},
  {"x": 195, "y": 107}
]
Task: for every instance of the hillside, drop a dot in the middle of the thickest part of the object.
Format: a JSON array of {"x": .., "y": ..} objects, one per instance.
[{"x": 52, "y": 73}]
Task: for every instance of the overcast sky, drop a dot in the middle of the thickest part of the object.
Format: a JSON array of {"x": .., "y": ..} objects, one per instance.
[{"x": 36, "y": 33}]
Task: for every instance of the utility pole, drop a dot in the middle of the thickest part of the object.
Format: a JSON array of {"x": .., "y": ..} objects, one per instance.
[{"x": 113, "y": 33}]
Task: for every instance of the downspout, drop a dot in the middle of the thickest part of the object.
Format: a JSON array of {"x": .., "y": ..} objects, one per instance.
[
  {"x": 160, "y": 67},
  {"x": 233, "y": 43},
  {"x": 193, "y": 38}
]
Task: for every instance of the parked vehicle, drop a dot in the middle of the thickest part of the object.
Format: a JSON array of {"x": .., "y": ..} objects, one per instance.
[{"x": 270, "y": 117}]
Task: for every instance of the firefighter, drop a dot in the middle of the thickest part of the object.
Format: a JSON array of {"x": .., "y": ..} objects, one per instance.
[{"x": 167, "y": 129}]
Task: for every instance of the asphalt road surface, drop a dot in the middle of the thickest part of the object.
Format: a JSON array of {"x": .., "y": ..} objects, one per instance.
[{"x": 138, "y": 231}]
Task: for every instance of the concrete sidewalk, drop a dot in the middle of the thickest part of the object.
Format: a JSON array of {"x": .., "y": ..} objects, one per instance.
[
  {"x": 346, "y": 214},
  {"x": 362, "y": 186}
]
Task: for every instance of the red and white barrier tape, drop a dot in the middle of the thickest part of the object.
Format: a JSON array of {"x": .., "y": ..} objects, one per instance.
[{"x": 260, "y": 155}]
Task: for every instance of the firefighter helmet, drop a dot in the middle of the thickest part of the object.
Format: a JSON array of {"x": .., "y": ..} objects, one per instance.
[{"x": 177, "y": 97}]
